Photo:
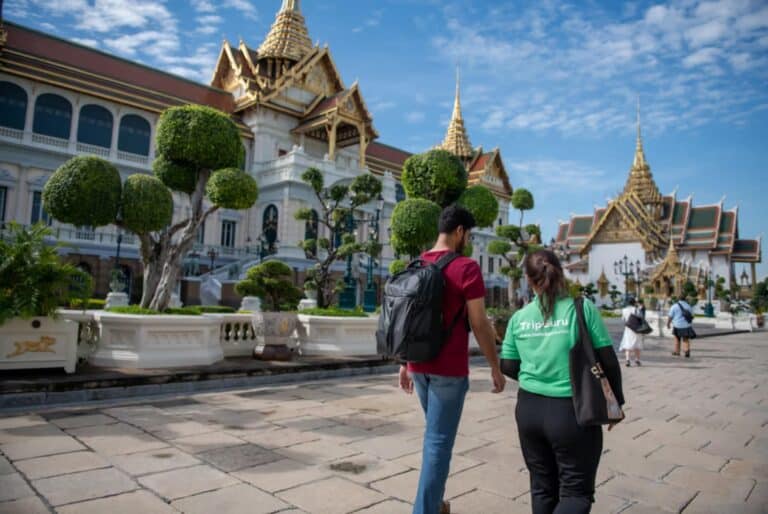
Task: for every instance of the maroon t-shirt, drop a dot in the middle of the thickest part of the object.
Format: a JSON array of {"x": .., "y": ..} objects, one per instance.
[{"x": 463, "y": 282}]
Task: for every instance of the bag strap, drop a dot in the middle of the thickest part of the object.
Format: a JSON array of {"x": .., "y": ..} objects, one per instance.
[
  {"x": 585, "y": 339},
  {"x": 445, "y": 260}
]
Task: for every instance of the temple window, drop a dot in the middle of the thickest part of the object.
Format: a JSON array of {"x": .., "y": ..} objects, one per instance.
[
  {"x": 399, "y": 192},
  {"x": 38, "y": 211},
  {"x": 269, "y": 224},
  {"x": 13, "y": 106},
  {"x": 95, "y": 126},
  {"x": 53, "y": 115},
  {"x": 228, "y": 229},
  {"x": 134, "y": 135}
]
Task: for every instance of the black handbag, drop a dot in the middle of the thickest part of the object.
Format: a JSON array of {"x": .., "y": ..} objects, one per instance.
[
  {"x": 593, "y": 398},
  {"x": 638, "y": 325}
]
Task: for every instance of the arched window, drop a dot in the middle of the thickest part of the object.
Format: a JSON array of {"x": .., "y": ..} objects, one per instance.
[
  {"x": 13, "y": 106},
  {"x": 53, "y": 116},
  {"x": 311, "y": 232},
  {"x": 399, "y": 192},
  {"x": 134, "y": 135},
  {"x": 95, "y": 126},
  {"x": 269, "y": 227}
]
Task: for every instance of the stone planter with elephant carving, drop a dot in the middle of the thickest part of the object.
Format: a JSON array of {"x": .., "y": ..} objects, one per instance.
[
  {"x": 38, "y": 343},
  {"x": 274, "y": 334}
]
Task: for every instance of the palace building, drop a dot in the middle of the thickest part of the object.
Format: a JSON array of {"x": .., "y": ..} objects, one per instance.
[
  {"x": 59, "y": 99},
  {"x": 672, "y": 240}
]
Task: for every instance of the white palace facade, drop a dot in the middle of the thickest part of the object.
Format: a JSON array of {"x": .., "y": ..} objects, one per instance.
[{"x": 59, "y": 99}]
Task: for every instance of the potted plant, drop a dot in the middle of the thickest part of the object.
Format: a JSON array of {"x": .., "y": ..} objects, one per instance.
[
  {"x": 33, "y": 283},
  {"x": 310, "y": 289},
  {"x": 760, "y": 302},
  {"x": 271, "y": 281}
]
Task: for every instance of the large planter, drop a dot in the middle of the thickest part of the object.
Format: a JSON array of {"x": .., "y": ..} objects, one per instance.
[
  {"x": 142, "y": 342},
  {"x": 38, "y": 343},
  {"x": 336, "y": 336},
  {"x": 274, "y": 333}
]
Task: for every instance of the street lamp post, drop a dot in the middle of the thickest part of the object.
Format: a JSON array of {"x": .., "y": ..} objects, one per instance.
[
  {"x": 347, "y": 296},
  {"x": 212, "y": 254},
  {"x": 370, "y": 294},
  {"x": 628, "y": 270},
  {"x": 709, "y": 309}
]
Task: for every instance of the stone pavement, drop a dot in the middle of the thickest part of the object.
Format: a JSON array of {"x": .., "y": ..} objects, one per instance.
[{"x": 695, "y": 441}]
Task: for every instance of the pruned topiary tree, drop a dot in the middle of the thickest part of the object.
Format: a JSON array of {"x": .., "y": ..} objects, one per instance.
[
  {"x": 522, "y": 200},
  {"x": 272, "y": 282},
  {"x": 481, "y": 203},
  {"x": 414, "y": 226},
  {"x": 437, "y": 175},
  {"x": 336, "y": 204},
  {"x": 199, "y": 154}
]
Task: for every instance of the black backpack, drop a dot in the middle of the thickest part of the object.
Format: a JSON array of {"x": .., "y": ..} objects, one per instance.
[
  {"x": 411, "y": 327},
  {"x": 687, "y": 315}
]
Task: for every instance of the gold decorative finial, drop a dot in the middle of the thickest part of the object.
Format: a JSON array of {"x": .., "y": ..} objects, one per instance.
[
  {"x": 640, "y": 179},
  {"x": 288, "y": 38},
  {"x": 456, "y": 139}
]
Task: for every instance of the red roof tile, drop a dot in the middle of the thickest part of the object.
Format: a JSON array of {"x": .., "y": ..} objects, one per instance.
[{"x": 387, "y": 153}]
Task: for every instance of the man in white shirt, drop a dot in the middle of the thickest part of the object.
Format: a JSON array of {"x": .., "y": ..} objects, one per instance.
[{"x": 679, "y": 314}]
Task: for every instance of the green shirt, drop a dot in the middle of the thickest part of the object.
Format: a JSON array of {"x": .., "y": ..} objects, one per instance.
[{"x": 543, "y": 348}]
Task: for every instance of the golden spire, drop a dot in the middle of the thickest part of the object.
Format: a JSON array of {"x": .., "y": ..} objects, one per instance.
[
  {"x": 288, "y": 38},
  {"x": 456, "y": 139},
  {"x": 640, "y": 179}
]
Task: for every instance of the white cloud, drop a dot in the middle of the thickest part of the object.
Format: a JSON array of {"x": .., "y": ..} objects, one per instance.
[
  {"x": 245, "y": 7},
  {"x": 556, "y": 176},
  {"x": 415, "y": 117},
  {"x": 706, "y": 33},
  {"x": 700, "y": 57},
  {"x": 150, "y": 42},
  {"x": 203, "y": 6},
  {"x": 109, "y": 15},
  {"x": 86, "y": 41}
]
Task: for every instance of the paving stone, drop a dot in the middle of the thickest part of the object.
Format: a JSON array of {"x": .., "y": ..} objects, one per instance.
[
  {"x": 5, "y": 466},
  {"x": 493, "y": 479},
  {"x": 317, "y": 451},
  {"x": 85, "y": 485},
  {"x": 13, "y": 486},
  {"x": 706, "y": 503},
  {"x": 365, "y": 468},
  {"x": 21, "y": 421},
  {"x": 678, "y": 455},
  {"x": 153, "y": 461},
  {"x": 607, "y": 504},
  {"x": 204, "y": 442},
  {"x": 29, "y": 505},
  {"x": 656, "y": 494},
  {"x": 233, "y": 458},
  {"x": 282, "y": 474},
  {"x": 458, "y": 462},
  {"x": 128, "y": 503},
  {"x": 179, "y": 429},
  {"x": 117, "y": 439},
  {"x": 61, "y": 464},
  {"x": 387, "y": 447},
  {"x": 732, "y": 489},
  {"x": 347, "y": 496},
  {"x": 389, "y": 507},
  {"x": 746, "y": 469},
  {"x": 633, "y": 464},
  {"x": 487, "y": 503},
  {"x": 179, "y": 483},
  {"x": 238, "y": 499},
  {"x": 38, "y": 446},
  {"x": 86, "y": 420}
]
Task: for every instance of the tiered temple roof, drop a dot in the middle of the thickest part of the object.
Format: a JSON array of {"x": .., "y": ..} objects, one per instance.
[{"x": 456, "y": 138}]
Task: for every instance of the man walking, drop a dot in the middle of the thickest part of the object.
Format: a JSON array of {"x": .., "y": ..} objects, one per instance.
[
  {"x": 681, "y": 321},
  {"x": 442, "y": 383}
]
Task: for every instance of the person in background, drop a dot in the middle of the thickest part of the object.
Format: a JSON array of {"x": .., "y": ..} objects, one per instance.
[
  {"x": 562, "y": 456},
  {"x": 631, "y": 341},
  {"x": 442, "y": 383},
  {"x": 682, "y": 329}
]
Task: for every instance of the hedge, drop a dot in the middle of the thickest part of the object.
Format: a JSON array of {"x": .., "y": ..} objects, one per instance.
[
  {"x": 414, "y": 226},
  {"x": 176, "y": 175},
  {"x": 334, "y": 312},
  {"x": 232, "y": 188},
  {"x": 481, "y": 203},
  {"x": 437, "y": 175}
]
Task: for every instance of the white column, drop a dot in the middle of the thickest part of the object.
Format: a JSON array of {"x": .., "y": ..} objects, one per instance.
[
  {"x": 73, "y": 126},
  {"x": 115, "y": 133},
  {"x": 30, "y": 116}
]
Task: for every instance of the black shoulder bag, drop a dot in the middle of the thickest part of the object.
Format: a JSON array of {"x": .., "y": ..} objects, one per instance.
[{"x": 593, "y": 398}]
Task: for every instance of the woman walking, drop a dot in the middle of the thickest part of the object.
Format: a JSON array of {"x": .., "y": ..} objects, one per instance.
[
  {"x": 562, "y": 457},
  {"x": 631, "y": 341}
]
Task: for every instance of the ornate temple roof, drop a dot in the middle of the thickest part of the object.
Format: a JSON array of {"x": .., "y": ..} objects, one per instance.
[
  {"x": 288, "y": 38},
  {"x": 640, "y": 180},
  {"x": 456, "y": 139}
]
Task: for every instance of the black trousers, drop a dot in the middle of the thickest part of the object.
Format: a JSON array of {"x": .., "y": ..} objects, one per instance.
[{"x": 562, "y": 457}]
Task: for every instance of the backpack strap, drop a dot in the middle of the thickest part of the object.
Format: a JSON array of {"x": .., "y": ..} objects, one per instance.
[
  {"x": 445, "y": 260},
  {"x": 441, "y": 264}
]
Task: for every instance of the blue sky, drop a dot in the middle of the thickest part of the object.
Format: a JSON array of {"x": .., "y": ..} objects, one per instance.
[{"x": 552, "y": 83}]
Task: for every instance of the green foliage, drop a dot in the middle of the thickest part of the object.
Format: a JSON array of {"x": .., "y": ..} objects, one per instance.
[
  {"x": 533, "y": 230},
  {"x": 272, "y": 281},
  {"x": 499, "y": 314},
  {"x": 33, "y": 280},
  {"x": 414, "y": 226},
  {"x": 334, "y": 312},
  {"x": 202, "y": 136},
  {"x": 216, "y": 309},
  {"x": 437, "y": 175},
  {"x": 760, "y": 297},
  {"x": 498, "y": 247},
  {"x": 147, "y": 204},
  {"x": 365, "y": 188},
  {"x": 511, "y": 232},
  {"x": 303, "y": 214},
  {"x": 232, "y": 188},
  {"x": 176, "y": 175},
  {"x": 522, "y": 200},
  {"x": 609, "y": 314},
  {"x": 397, "y": 266},
  {"x": 88, "y": 304},
  {"x": 134, "y": 309},
  {"x": 191, "y": 310},
  {"x": 481, "y": 203},
  {"x": 690, "y": 294},
  {"x": 84, "y": 191},
  {"x": 313, "y": 177},
  {"x": 468, "y": 250}
]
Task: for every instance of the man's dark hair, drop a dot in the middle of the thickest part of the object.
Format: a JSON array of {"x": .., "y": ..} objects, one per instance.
[{"x": 454, "y": 217}]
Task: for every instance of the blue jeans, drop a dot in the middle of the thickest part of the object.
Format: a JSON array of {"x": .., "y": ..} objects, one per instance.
[{"x": 442, "y": 399}]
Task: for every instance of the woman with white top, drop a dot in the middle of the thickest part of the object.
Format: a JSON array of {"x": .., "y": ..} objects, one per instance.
[{"x": 631, "y": 341}]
